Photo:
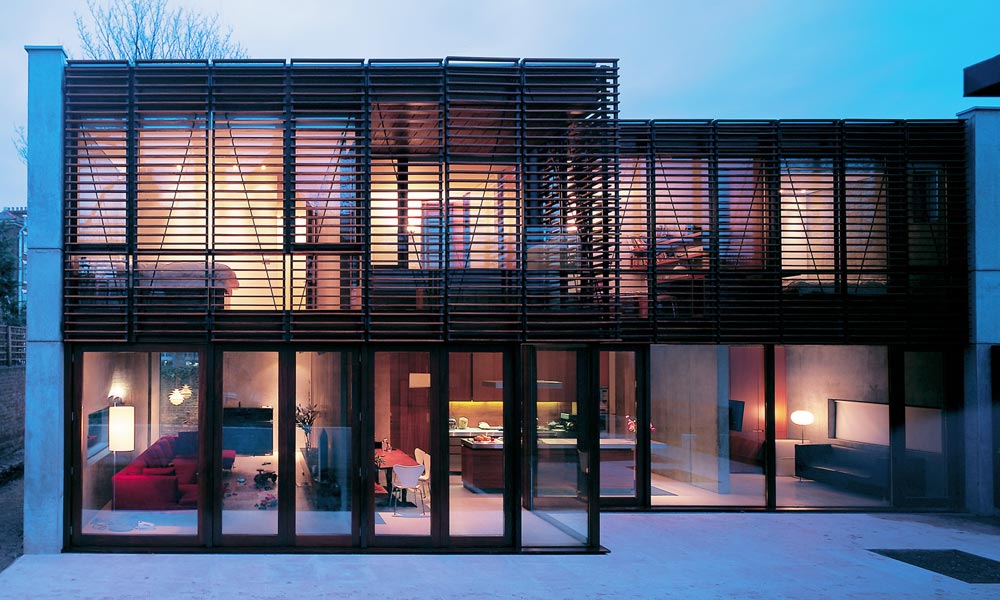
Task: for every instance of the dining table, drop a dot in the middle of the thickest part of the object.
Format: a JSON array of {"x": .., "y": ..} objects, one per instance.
[{"x": 390, "y": 459}]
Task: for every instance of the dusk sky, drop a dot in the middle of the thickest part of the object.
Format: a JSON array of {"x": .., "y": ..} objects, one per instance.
[{"x": 679, "y": 59}]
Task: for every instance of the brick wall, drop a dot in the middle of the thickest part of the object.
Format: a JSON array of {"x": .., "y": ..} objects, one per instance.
[{"x": 11, "y": 415}]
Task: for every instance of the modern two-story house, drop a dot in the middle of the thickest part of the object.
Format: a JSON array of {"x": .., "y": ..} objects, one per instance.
[{"x": 461, "y": 305}]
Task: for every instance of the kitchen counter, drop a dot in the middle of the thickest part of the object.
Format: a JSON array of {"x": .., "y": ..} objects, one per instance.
[{"x": 482, "y": 466}]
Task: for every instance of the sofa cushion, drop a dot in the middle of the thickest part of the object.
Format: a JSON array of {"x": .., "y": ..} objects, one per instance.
[
  {"x": 134, "y": 468},
  {"x": 157, "y": 455},
  {"x": 189, "y": 494},
  {"x": 187, "y": 470},
  {"x": 158, "y": 471},
  {"x": 141, "y": 492}
]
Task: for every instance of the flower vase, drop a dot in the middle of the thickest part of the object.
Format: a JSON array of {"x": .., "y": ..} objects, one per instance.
[{"x": 307, "y": 430}]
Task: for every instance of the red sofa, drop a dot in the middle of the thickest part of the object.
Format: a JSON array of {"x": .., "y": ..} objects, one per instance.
[{"x": 164, "y": 476}]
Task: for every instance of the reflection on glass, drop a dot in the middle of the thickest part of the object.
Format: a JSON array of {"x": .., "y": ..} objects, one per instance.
[
  {"x": 476, "y": 451},
  {"x": 139, "y": 450},
  {"x": 557, "y": 505},
  {"x": 402, "y": 422},
  {"x": 618, "y": 424},
  {"x": 249, "y": 443},
  {"x": 707, "y": 408},
  {"x": 841, "y": 457},
  {"x": 323, "y": 484},
  {"x": 926, "y": 472}
]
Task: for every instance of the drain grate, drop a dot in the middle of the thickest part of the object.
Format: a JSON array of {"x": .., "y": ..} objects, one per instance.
[{"x": 956, "y": 564}]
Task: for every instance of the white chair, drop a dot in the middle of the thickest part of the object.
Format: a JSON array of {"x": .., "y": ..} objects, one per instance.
[
  {"x": 424, "y": 459},
  {"x": 407, "y": 478}
]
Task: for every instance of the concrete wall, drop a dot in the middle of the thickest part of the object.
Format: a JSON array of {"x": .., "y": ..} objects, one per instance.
[
  {"x": 814, "y": 374},
  {"x": 981, "y": 460},
  {"x": 45, "y": 418}
]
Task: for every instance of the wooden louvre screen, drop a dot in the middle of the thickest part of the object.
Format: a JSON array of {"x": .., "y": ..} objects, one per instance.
[{"x": 490, "y": 199}]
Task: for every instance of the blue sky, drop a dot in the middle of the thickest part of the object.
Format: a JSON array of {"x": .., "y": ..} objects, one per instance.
[{"x": 679, "y": 59}]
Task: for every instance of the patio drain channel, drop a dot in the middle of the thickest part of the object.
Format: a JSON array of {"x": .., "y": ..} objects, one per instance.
[{"x": 956, "y": 564}]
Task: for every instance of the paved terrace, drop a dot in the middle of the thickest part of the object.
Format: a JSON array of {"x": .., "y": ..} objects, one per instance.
[{"x": 802, "y": 555}]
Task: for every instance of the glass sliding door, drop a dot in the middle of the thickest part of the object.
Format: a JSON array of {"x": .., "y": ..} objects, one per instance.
[
  {"x": 832, "y": 412},
  {"x": 249, "y": 459},
  {"x": 324, "y": 475},
  {"x": 556, "y": 500},
  {"x": 706, "y": 426},
  {"x": 927, "y": 475},
  {"x": 619, "y": 424},
  {"x": 476, "y": 449},
  {"x": 402, "y": 489},
  {"x": 139, "y": 444}
]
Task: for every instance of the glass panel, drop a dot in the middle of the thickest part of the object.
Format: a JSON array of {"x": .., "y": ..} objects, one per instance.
[
  {"x": 250, "y": 443},
  {"x": 556, "y": 509},
  {"x": 742, "y": 214},
  {"x": 323, "y": 481},
  {"x": 475, "y": 443},
  {"x": 682, "y": 218},
  {"x": 866, "y": 227},
  {"x": 618, "y": 424},
  {"x": 634, "y": 235},
  {"x": 807, "y": 240},
  {"x": 832, "y": 423},
  {"x": 926, "y": 470},
  {"x": 707, "y": 418},
  {"x": 139, "y": 442},
  {"x": 402, "y": 427}
]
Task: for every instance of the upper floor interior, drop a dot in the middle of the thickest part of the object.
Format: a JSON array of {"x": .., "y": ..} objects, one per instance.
[{"x": 431, "y": 196}]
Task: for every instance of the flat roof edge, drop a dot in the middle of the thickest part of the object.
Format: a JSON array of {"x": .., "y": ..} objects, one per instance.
[{"x": 983, "y": 78}]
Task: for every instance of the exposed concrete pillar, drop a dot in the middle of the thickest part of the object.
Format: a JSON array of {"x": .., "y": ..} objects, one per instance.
[
  {"x": 44, "y": 414},
  {"x": 983, "y": 139}
]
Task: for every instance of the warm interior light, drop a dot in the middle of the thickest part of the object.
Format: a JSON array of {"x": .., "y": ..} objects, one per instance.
[
  {"x": 121, "y": 428},
  {"x": 802, "y": 418},
  {"x": 186, "y": 391},
  {"x": 176, "y": 397}
]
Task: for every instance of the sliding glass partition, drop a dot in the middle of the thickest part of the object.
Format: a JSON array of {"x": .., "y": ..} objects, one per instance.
[
  {"x": 832, "y": 426},
  {"x": 706, "y": 426},
  {"x": 619, "y": 424},
  {"x": 476, "y": 445},
  {"x": 249, "y": 460},
  {"x": 556, "y": 503},
  {"x": 324, "y": 474},
  {"x": 139, "y": 444},
  {"x": 402, "y": 425}
]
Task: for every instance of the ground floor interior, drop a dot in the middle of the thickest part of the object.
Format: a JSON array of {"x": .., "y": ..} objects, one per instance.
[{"x": 513, "y": 447}]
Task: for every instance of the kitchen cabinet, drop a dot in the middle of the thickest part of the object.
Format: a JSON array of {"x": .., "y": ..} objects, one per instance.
[
  {"x": 487, "y": 367},
  {"x": 460, "y": 376}
]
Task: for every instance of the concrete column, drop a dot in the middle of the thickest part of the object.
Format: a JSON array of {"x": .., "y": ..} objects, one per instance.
[
  {"x": 983, "y": 140},
  {"x": 44, "y": 414}
]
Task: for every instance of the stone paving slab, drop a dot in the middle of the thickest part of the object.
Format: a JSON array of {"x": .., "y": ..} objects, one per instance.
[{"x": 675, "y": 555}]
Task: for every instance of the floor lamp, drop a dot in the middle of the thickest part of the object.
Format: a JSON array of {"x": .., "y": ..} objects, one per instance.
[
  {"x": 121, "y": 437},
  {"x": 802, "y": 418}
]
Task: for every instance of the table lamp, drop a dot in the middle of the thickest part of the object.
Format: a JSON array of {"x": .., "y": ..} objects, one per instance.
[{"x": 803, "y": 418}]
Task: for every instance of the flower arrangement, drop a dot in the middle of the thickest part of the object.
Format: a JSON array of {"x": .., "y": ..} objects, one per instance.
[
  {"x": 630, "y": 424},
  {"x": 305, "y": 417}
]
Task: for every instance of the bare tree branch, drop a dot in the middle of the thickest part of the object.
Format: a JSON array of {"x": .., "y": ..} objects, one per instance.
[
  {"x": 20, "y": 141},
  {"x": 150, "y": 29}
]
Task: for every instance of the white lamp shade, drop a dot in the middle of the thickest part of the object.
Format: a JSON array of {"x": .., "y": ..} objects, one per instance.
[
  {"x": 803, "y": 417},
  {"x": 121, "y": 428}
]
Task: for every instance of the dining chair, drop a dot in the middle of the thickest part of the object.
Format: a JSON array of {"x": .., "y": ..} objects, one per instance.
[
  {"x": 425, "y": 477},
  {"x": 406, "y": 477}
]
